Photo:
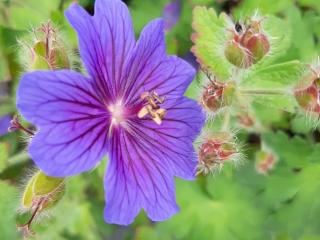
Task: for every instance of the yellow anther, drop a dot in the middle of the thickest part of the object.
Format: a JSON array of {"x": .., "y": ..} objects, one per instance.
[{"x": 152, "y": 107}]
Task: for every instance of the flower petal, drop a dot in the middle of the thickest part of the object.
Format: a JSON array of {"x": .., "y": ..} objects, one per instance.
[
  {"x": 143, "y": 160},
  {"x": 106, "y": 41},
  {"x": 149, "y": 67},
  {"x": 72, "y": 121},
  {"x": 175, "y": 136},
  {"x": 136, "y": 178}
]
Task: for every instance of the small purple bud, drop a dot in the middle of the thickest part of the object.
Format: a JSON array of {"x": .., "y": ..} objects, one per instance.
[{"x": 171, "y": 14}]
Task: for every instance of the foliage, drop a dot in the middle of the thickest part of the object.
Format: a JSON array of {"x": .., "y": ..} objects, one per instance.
[{"x": 237, "y": 202}]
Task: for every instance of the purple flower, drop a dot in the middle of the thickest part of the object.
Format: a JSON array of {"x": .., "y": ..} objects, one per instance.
[
  {"x": 131, "y": 106},
  {"x": 4, "y": 124},
  {"x": 171, "y": 14}
]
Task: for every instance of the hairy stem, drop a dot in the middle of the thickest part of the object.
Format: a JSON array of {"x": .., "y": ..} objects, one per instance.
[{"x": 265, "y": 92}]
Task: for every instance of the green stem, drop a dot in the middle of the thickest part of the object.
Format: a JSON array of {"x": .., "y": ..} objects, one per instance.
[
  {"x": 226, "y": 122},
  {"x": 264, "y": 92}
]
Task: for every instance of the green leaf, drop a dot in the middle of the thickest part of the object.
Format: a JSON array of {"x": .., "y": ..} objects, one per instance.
[
  {"x": 278, "y": 76},
  {"x": 209, "y": 39},
  {"x": 273, "y": 85},
  {"x": 26, "y": 14},
  {"x": 4, "y": 154},
  {"x": 249, "y": 7},
  {"x": 215, "y": 215},
  {"x": 293, "y": 151},
  {"x": 8, "y": 206}
]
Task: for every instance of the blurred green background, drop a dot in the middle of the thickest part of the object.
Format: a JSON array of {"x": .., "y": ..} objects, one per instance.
[{"x": 237, "y": 203}]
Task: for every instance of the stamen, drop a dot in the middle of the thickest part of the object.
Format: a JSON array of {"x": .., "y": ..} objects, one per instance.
[{"x": 153, "y": 107}]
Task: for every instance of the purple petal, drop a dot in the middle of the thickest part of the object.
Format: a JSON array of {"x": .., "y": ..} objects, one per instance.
[
  {"x": 150, "y": 69},
  {"x": 144, "y": 159},
  {"x": 72, "y": 121},
  {"x": 4, "y": 124},
  {"x": 171, "y": 14},
  {"x": 106, "y": 41},
  {"x": 191, "y": 59}
]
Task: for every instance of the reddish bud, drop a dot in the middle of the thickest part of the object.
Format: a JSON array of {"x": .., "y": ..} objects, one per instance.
[
  {"x": 265, "y": 161},
  {"x": 217, "y": 95},
  {"x": 307, "y": 92},
  {"x": 258, "y": 45},
  {"x": 247, "y": 44},
  {"x": 215, "y": 150},
  {"x": 308, "y": 98}
]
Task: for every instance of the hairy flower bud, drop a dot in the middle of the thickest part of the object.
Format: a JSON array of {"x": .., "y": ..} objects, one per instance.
[
  {"x": 265, "y": 161},
  {"x": 215, "y": 150},
  {"x": 41, "y": 193},
  {"x": 258, "y": 46},
  {"x": 247, "y": 44},
  {"x": 237, "y": 54},
  {"x": 307, "y": 92},
  {"x": 217, "y": 95},
  {"x": 47, "y": 50}
]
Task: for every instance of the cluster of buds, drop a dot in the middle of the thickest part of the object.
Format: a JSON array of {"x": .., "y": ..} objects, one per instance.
[
  {"x": 217, "y": 149},
  {"x": 46, "y": 50},
  {"x": 307, "y": 92},
  {"x": 217, "y": 95},
  {"x": 247, "y": 43},
  {"x": 265, "y": 161},
  {"x": 40, "y": 194}
]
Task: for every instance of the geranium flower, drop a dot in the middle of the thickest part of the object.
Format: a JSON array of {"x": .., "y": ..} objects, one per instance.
[{"x": 130, "y": 106}]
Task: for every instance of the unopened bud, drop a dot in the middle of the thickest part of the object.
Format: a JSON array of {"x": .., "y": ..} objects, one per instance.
[
  {"x": 265, "y": 161},
  {"x": 215, "y": 150},
  {"x": 217, "y": 95},
  {"x": 47, "y": 50},
  {"x": 247, "y": 44},
  {"x": 258, "y": 46},
  {"x": 307, "y": 92},
  {"x": 237, "y": 54},
  {"x": 308, "y": 98},
  {"x": 41, "y": 193}
]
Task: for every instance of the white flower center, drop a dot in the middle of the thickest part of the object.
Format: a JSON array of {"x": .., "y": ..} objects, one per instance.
[{"x": 117, "y": 113}]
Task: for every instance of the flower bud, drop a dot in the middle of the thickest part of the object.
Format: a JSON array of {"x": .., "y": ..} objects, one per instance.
[
  {"x": 47, "y": 50},
  {"x": 247, "y": 44},
  {"x": 258, "y": 46},
  {"x": 265, "y": 161},
  {"x": 215, "y": 150},
  {"x": 237, "y": 54},
  {"x": 41, "y": 193},
  {"x": 217, "y": 95},
  {"x": 39, "y": 187},
  {"x": 307, "y": 92},
  {"x": 308, "y": 98}
]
